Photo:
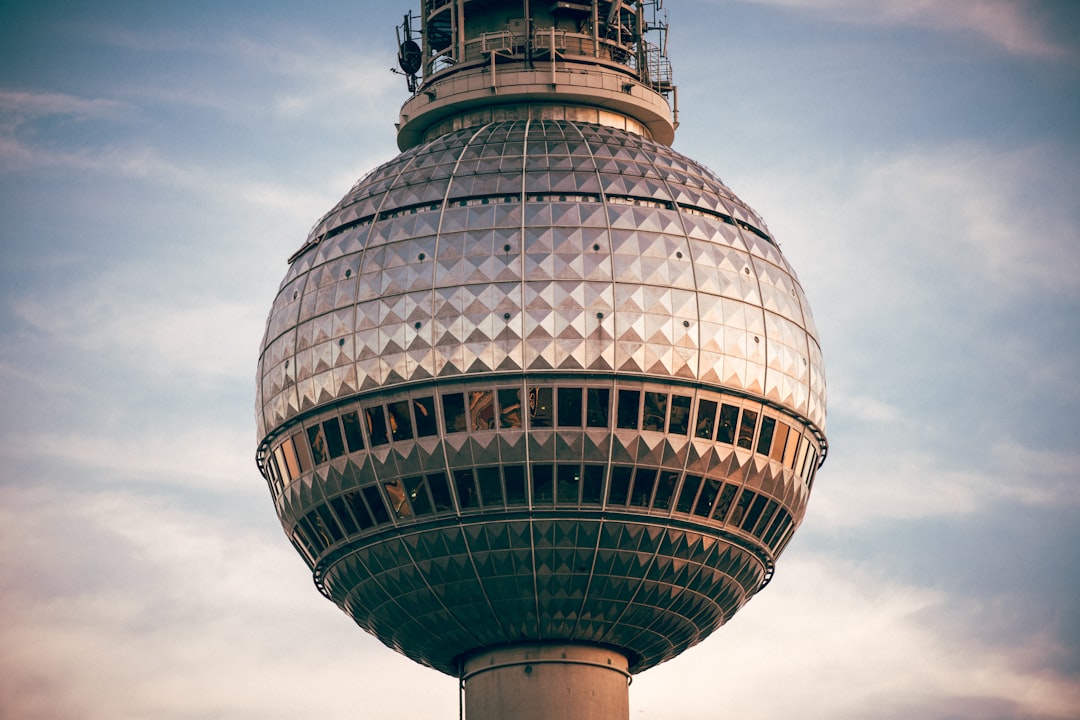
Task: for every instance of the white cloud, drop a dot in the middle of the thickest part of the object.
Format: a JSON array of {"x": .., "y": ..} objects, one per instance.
[
  {"x": 1008, "y": 24},
  {"x": 835, "y": 641}
]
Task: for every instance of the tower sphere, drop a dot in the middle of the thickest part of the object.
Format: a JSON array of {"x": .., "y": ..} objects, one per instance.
[{"x": 539, "y": 379}]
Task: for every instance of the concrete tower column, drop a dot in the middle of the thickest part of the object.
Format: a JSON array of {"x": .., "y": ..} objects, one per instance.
[{"x": 547, "y": 682}]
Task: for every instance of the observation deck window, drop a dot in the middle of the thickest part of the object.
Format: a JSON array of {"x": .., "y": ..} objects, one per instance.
[
  {"x": 597, "y": 402},
  {"x": 440, "y": 492},
  {"x": 540, "y": 407},
  {"x": 779, "y": 440},
  {"x": 396, "y": 494},
  {"x": 400, "y": 422},
  {"x": 376, "y": 425},
  {"x": 543, "y": 484},
  {"x": 592, "y": 484},
  {"x": 465, "y": 484},
  {"x": 509, "y": 408},
  {"x": 359, "y": 509},
  {"x": 491, "y": 492},
  {"x": 335, "y": 444},
  {"x": 619, "y": 487},
  {"x": 343, "y": 515},
  {"x": 569, "y": 399},
  {"x": 723, "y": 505},
  {"x": 454, "y": 412},
  {"x": 481, "y": 410},
  {"x": 679, "y": 423},
  {"x": 317, "y": 444},
  {"x": 351, "y": 422},
  {"x": 644, "y": 481},
  {"x": 424, "y": 410},
  {"x": 707, "y": 497},
  {"x": 655, "y": 413},
  {"x": 514, "y": 477},
  {"x": 740, "y": 509},
  {"x": 746, "y": 428},
  {"x": 689, "y": 492},
  {"x": 706, "y": 419},
  {"x": 375, "y": 502},
  {"x": 770, "y": 510},
  {"x": 725, "y": 430},
  {"x": 629, "y": 409},
  {"x": 665, "y": 488},
  {"x": 569, "y": 485},
  {"x": 754, "y": 512},
  {"x": 418, "y": 496}
]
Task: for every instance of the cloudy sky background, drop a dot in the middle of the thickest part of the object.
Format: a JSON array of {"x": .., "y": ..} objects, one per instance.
[{"x": 919, "y": 162}]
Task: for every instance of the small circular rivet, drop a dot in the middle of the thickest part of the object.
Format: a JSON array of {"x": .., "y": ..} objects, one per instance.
[{"x": 417, "y": 325}]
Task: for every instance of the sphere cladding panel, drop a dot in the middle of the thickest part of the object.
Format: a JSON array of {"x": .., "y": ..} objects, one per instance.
[{"x": 550, "y": 246}]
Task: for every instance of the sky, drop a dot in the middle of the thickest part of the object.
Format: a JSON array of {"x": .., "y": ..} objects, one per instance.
[{"x": 919, "y": 163}]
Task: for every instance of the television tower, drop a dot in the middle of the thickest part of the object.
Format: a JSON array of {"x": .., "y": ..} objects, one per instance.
[{"x": 540, "y": 401}]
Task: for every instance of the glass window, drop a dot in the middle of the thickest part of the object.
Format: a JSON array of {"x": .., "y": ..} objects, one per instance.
[
  {"x": 396, "y": 494},
  {"x": 314, "y": 529},
  {"x": 440, "y": 492},
  {"x": 302, "y": 543},
  {"x": 746, "y": 429},
  {"x": 514, "y": 475},
  {"x": 298, "y": 444},
  {"x": 569, "y": 484},
  {"x": 453, "y": 406},
  {"x": 596, "y": 407},
  {"x": 509, "y": 408},
  {"x": 540, "y": 407},
  {"x": 491, "y": 493},
  {"x": 424, "y": 410},
  {"x": 644, "y": 480},
  {"x": 619, "y": 488},
  {"x": 690, "y": 486},
  {"x": 343, "y": 515},
  {"x": 724, "y": 504},
  {"x": 351, "y": 422},
  {"x": 375, "y": 502},
  {"x": 708, "y": 495},
  {"x": 679, "y": 423},
  {"x": 569, "y": 406},
  {"x": 725, "y": 429},
  {"x": 627, "y": 417},
  {"x": 791, "y": 448},
  {"x": 481, "y": 410},
  {"x": 418, "y": 496},
  {"x": 779, "y": 440},
  {"x": 740, "y": 510},
  {"x": 654, "y": 416},
  {"x": 779, "y": 525},
  {"x": 323, "y": 516},
  {"x": 543, "y": 484},
  {"x": 754, "y": 512},
  {"x": 665, "y": 488},
  {"x": 376, "y": 425},
  {"x": 592, "y": 484},
  {"x": 400, "y": 422},
  {"x": 706, "y": 419},
  {"x": 334, "y": 442},
  {"x": 318, "y": 445},
  {"x": 764, "y": 442},
  {"x": 766, "y": 516},
  {"x": 282, "y": 466},
  {"x": 359, "y": 510},
  {"x": 466, "y": 489}
]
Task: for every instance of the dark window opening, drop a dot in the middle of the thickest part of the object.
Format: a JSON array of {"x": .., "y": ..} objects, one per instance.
[
  {"x": 376, "y": 425},
  {"x": 569, "y": 406},
  {"x": 746, "y": 429},
  {"x": 514, "y": 475},
  {"x": 706, "y": 419},
  {"x": 569, "y": 484},
  {"x": 440, "y": 492},
  {"x": 654, "y": 416},
  {"x": 627, "y": 415},
  {"x": 424, "y": 410},
  {"x": 509, "y": 408},
  {"x": 665, "y": 488},
  {"x": 317, "y": 444},
  {"x": 540, "y": 407},
  {"x": 596, "y": 407},
  {"x": 792, "y": 446},
  {"x": 322, "y": 515},
  {"x": 592, "y": 485},
  {"x": 491, "y": 493},
  {"x": 725, "y": 430},
  {"x": 351, "y": 422},
  {"x": 754, "y": 512},
  {"x": 740, "y": 510},
  {"x": 400, "y": 423},
  {"x": 727, "y": 495},
  {"x": 679, "y": 423},
  {"x": 359, "y": 510},
  {"x": 481, "y": 410},
  {"x": 690, "y": 486},
  {"x": 334, "y": 442},
  {"x": 466, "y": 489},
  {"x": 453, "y": 406},
  {"x": 396, "y": 494},
  {"x": 543, "y": 484},
  {"x": 766, "y": 516},
  {"x": 619, "y": 487},
  {"x": 764, "y": 443},
  {"x": 779, "y": 525},
  {"x": 418, "y": 496},
  {"x": 343, "y": 515},
  {"x": 375, "y": 502},
  {"x": 301, "y": 452},
  {"x": 779, "y": 441},
  {"x": 312, "y": 527},
  {"x": 708, "y": 495},
  {"x": 644, "y": 480}
]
